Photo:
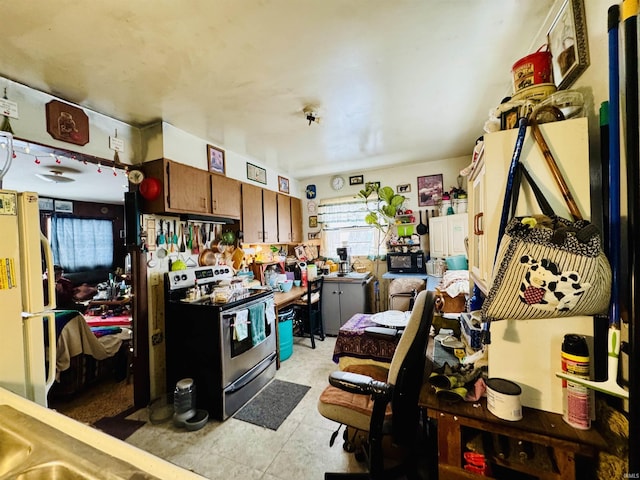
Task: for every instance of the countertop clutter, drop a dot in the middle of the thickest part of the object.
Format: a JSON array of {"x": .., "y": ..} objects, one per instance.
[{"x": 30, "y": 434}]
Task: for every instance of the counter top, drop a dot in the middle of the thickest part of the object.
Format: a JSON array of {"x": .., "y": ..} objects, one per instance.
[
  {"x": 349, "y": 277},
  {"x": 97, "y": 439}
]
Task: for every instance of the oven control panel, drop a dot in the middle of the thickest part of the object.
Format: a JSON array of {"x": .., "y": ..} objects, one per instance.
[{"x": 198, "y": 276}]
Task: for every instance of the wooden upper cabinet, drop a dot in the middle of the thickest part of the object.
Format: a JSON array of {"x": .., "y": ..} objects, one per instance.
[
  {"x": 284, "y": 218},
  {"x": 226, "y": 197},
  {"x": 270, "y": 216},
  {"x": 184, "y": 189},
  {"x": 252, "y": 214},
  {"x": 296, "y": 220}
]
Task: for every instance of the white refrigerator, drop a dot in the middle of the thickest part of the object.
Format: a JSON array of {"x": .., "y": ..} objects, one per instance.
[{"x": 23, "y": 369}]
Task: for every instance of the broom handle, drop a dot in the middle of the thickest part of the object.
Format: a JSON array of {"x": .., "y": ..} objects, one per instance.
[{"x": 555, "y": 171}]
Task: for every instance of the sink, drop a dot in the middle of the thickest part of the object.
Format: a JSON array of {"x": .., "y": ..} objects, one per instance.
[
  {"x": 32, "y": 450},
  {"x": 14, "y": 450},
  {"x": 52, "y": 471}
]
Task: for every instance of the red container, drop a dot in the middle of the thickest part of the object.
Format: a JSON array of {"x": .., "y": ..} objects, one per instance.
[{"x": 534, "y": 69}]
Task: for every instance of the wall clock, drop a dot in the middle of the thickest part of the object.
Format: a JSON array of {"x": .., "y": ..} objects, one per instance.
[
  {"x": 135, "y": 176},
  {"x": 337, "y": 182}
]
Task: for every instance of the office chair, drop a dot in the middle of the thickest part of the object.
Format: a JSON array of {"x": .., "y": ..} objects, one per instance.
[
  {"x": 308, "y": 311},
  {"x": 363, "y": 398}
]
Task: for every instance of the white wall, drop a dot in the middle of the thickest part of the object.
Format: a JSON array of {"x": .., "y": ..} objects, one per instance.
[
  {"x": 32, "y": 125},
  {"x": 391, "y": 177}
]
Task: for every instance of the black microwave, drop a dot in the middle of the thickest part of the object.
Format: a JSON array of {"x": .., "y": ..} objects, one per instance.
[{"x": 409, "y": 262}]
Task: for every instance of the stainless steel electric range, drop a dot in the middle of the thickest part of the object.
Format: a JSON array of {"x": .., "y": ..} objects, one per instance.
[{"x": 228, "y": 348}]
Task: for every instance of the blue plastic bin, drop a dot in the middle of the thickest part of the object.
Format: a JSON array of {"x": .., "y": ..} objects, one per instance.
[{"x": 285, "y": 331}]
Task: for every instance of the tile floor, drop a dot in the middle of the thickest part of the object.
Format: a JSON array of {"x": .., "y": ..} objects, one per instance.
[{"x": 236, "y": 449}]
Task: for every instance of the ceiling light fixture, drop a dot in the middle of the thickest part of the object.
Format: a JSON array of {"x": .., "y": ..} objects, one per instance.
[
  {"x": 311, "y": 114},
  {"x": 55, "y": 176}
]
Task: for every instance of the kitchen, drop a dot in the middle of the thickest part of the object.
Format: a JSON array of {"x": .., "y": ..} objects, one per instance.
[{"x": 165, "y": 140}]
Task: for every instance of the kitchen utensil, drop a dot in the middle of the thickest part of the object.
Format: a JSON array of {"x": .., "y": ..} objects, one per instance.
[
  {"x": 196, "y": 240},
  {"x": 183, "y": 247},
  {"x": 207, "y": 257},
  {"x": 160, "y": 240},
  {"x": 190, "y": 238},
  {"x": 421, "y": 229},
  {"x": 174, "y": 239},
  {"x": 151, "y": 263}
]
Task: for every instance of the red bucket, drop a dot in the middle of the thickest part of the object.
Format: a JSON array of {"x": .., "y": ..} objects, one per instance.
[{"x": 533, "y": 69}]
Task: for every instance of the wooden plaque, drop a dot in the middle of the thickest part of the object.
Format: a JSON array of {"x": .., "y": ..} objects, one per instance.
[{"x": 67, "y": 123}]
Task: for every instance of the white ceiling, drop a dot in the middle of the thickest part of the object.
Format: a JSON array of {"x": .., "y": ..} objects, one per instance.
[{"x": 394, "y": 81}]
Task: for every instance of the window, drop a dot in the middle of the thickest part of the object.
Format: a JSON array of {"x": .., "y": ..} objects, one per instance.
[
  {"x": 343, "y": 224},
  {"x": 80, "y": 244}
]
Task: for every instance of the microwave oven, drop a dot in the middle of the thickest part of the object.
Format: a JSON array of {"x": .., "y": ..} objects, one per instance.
[{"x": 409, "y": 262}]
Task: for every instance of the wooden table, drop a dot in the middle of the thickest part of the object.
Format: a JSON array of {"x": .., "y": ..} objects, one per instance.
[
  {"x": 546, "y": 432},
  {"x": 282, "y": 300}
]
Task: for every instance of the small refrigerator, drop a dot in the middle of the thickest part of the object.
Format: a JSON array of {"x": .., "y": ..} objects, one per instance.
[{"x": 25, "y": 319}]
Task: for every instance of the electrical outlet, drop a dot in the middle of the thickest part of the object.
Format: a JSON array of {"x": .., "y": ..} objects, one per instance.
[{"x": 157, "y": 337}]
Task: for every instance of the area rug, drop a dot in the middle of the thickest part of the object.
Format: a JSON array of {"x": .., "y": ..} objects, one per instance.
[
  {"x": 273, "y": 404},
  {"x": 118, "y": 426}
]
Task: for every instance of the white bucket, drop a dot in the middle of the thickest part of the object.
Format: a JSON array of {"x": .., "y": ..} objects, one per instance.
[{"x": 503, "y": 399}]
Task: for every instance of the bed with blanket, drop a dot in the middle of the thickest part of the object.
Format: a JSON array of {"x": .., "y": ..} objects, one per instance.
[{"x": 89, "y": 349}]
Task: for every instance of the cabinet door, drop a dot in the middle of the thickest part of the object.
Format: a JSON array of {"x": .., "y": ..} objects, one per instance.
[
  {"x": 296, "y": 220},
  {"x": 284, "y": 218},
  {"x": 457, "y": 228},
  {"x": 568, "y": 141},
  {"x": 252, "y": 213},
  {"x": 270, "y": 216},
  {"x": 188, "y": 189},
  {"x": 352, "y": 300},
  {"x": 225, "y": 193},
  {"x": 438, "y": 236},
  {"x": 479, "y": 267},
  {"x": 331, "y": 307}
]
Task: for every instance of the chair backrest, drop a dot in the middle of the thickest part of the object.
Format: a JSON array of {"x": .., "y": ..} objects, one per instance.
[
  {"x": 406, "y": 371},
  {"x": 314, "y": 293}
]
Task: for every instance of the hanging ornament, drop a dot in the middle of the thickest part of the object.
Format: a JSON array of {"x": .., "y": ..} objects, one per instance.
[
  {"x": 37, "y": 161},
  {"x": 6, "y": 124},
  {"x": 99, "y": 168},
  {"x": 115, "y": 174},
  {"x": 58, "y": 161}
]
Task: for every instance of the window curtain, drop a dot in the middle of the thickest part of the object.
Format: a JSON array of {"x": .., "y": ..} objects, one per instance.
[
  {"x": 343, "y": 224},
  {"x": 80, "y": 244}
]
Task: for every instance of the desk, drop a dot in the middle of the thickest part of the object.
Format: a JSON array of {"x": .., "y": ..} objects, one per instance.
[
  {"x": 282, "y": 300},
  {"x": 458, "y": 422},
  {"x": 353, "y": 342}
]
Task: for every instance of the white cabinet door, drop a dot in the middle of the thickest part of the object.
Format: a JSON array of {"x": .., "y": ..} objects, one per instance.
[
  {"x": 438, "y": 237},
  {"x": 447, "y": 235},
  {"x": 479, "y": 264},
  {"x": 457, "y": 226}
]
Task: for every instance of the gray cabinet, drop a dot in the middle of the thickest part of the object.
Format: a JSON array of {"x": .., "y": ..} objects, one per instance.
[{"x": 341, "y": 299}]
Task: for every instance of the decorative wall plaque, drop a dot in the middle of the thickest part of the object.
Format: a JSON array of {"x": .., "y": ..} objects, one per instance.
[{"x": 67, "y": 123}]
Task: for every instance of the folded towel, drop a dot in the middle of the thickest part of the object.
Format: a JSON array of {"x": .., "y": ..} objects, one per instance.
[
  {"x": 240, "y": 329},
  {"x": 256, "y": 317},
  {"x": 271, "y": 311}
]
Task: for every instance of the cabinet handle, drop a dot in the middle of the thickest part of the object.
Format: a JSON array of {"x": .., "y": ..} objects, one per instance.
[
  {"x": 477, "y": 230},
  {"x": 215, "y": 205}
]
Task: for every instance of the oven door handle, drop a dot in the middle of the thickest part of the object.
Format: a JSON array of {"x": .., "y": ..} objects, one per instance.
[{"x": 245, "y": 379}]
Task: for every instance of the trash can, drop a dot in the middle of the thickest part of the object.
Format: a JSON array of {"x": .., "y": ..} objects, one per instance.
[{"x": 285, "y": 331}]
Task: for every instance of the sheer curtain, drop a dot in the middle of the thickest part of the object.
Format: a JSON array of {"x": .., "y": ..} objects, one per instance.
[
  {"x": 343, "y": 224},
  {"x": 80, "y": 244}
]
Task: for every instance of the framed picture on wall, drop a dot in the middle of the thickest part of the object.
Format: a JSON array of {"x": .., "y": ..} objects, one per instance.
[
  {"x": 567, "y": 39},
  {"x": 404, "y": 188},
  {"x": 313, "y": 221},
  {"x": 283, "y": 184},
  {"x": 429, "y": 190},
  {"x": 216, "y": 159},
  {"x": 356, "y": 180},
  {"x": 256, "y": 173}
]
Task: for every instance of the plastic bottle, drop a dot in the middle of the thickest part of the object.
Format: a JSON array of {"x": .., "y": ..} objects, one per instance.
[{"x": 576, "y": 399}]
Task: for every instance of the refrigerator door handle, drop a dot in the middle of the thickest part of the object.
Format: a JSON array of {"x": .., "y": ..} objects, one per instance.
[
  {"x": 53, "y": 350},
  {"x": 51, "y": 285},
  {"x": 52, "y": 342}
]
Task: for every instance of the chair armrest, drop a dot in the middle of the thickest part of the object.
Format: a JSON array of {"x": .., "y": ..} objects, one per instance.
[
  {"x": 360, "y": 384},
  {"x": 383, "y": 333}
]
